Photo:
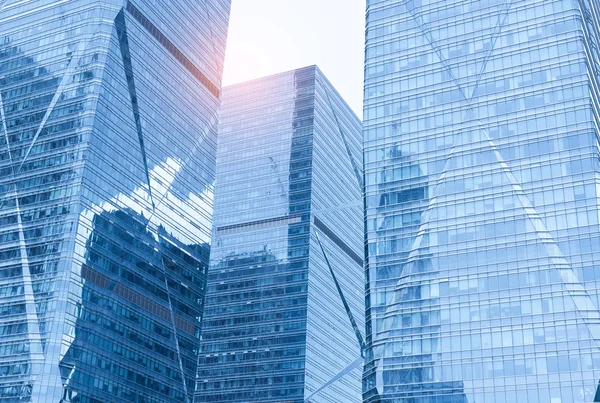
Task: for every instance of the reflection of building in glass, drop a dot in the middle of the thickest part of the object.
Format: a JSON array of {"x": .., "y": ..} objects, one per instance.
[
  {"x": 284, "y": 307},
  {"x": 107, "y": 147},
  {"x": 482, "y": 254},
  {"x": 400, "y": 229},
  {"x": 136, "y": 291}
]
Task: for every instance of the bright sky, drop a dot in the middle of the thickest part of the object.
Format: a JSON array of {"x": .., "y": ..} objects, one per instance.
[{"x": 272, "y": 36}]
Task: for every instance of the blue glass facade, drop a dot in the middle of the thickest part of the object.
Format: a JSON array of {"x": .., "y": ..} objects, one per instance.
[
  {"x": 284, "y": 307},
  {"x": 107, "y": 157},
  {"x": 481, "y": 197}
]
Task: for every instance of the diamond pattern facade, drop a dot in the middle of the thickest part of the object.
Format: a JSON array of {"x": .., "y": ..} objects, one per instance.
[
  {"x": 107, "y": 147},
  {"x": 482, "y": 177}
]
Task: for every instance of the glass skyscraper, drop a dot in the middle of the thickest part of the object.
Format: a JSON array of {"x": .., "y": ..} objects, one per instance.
[
  {"x": 482, "y": 181},
  {"x": 284, "y": 307},
  {"x": 107, "y": 158}
]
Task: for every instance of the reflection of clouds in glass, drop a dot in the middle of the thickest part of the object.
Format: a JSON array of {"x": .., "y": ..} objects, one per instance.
[
  {"x": 166, "y": 204},
  {"x": 191, "y": 207}
]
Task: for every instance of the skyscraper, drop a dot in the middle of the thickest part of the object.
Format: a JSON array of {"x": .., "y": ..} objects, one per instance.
[
  {"x": 284, "y": 307},
  {"x": 107, "y": 158},
  {"x": 482, "y": 209}
]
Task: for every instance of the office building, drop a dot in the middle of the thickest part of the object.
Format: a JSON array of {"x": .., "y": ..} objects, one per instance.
[
  {"x": 108, "y": 114},
  {"x": 481, "y": 190},
  {"x": 284, "y": 307}
]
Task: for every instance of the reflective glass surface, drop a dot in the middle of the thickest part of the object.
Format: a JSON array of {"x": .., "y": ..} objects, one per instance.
[
  {"x": 482, "y": 181},
  {"x": 107, "y": 158},
  {"x": 284, "y": 306}
]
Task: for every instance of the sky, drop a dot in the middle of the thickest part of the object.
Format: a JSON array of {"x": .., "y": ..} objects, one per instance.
[{"x": 272, "y": 36}]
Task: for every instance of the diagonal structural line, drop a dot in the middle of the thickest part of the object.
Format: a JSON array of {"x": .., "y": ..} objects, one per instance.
[
  {"x": 359, "y": 337},
  {"x": 355, "y": 168},
  {"x": 569, "y": 277},
  {"x": 185, "y": 390},
  {"x": 497, "y": 30},
  {"x": 575, "y": 288},
  {"x": 338, "y": 376},
  {"x": 5, "y": 130},
  {"x": 325, "y": 230},
  {"x": 10, "y": 159},
  {"x": 74, "y": 60},
  {"x": 433, "y": 45},
  {"x": 33, "y": 327},
  {"x": 424, "y": 226},
  {"x": 427, "y": 34},
  {"x": 126, "y": 56}
]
